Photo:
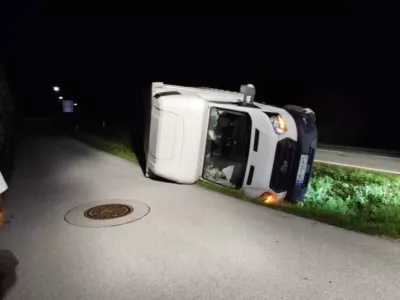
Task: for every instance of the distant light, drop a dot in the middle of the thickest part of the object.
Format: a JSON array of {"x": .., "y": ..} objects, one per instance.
[
  {"x": 75, "y": 104},
  {"x": 56, "y": 88},
  {"x": 60, "y": 97}
]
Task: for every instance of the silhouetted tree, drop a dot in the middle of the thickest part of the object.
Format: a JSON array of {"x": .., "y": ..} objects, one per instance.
[{"x": 6, "y": 127}]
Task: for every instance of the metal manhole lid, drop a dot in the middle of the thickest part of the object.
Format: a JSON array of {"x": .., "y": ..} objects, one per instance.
[
  {"x": 112, "y": 212},
  {"x": 108, "y": 211}
]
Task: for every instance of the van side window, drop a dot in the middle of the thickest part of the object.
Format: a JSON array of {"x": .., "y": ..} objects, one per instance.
[{"x": 227, "y": 147}]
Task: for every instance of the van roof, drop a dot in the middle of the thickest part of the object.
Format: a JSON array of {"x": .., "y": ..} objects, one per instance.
[{"x": 207, "y": 94}]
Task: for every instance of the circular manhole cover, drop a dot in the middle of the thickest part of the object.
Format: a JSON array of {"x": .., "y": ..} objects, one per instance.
[{"x": 108, "y": 211}]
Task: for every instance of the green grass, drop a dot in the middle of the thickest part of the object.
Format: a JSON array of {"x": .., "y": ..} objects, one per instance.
[
  {"x": 354, "y": 199},
  {"x": 117, "y": 145},
  {"x": 350, "y": 198}
]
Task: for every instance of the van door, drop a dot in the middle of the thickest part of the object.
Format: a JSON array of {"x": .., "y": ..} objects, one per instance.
[{"x": 227, "y": 146}]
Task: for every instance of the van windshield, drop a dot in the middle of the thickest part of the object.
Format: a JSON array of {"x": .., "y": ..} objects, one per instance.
[{"x": 227, "y": 147}]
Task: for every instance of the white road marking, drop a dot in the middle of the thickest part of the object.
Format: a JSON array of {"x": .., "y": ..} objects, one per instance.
[
  {"x": 333, "y": 151},
  {"x": 358, "y": 167},
  {"x": 387, "y": 157}
]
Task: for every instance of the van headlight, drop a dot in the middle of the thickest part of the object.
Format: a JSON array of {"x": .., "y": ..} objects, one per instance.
[{"x": 279, "y": 124}]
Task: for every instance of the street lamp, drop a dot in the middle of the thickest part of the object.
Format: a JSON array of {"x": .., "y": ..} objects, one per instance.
[
  {"x": 56, "y": 88},
  {"x": 60, "y": 97},
  {"x": 75, "y": 104}
]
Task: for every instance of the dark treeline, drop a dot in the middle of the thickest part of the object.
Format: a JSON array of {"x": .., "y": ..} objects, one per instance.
[{"x": 350, "y": 79}]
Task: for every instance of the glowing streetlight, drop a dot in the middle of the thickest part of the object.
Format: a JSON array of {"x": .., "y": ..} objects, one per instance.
[
  {"x": 56, "y": 88},
  {"x": 60, "y": 97},
  {"x": 75, "y": 104}
]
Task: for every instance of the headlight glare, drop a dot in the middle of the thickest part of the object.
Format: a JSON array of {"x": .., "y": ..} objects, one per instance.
[{"x": 279, "y": 124}]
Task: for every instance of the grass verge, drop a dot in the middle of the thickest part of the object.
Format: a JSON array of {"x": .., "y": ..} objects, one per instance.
[
  {"x": 117, "y": 145},
  {"x": 345, "y": 197}
]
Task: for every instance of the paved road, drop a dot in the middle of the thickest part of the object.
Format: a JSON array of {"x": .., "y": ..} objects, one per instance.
[
  {"x": 194, "y": 244},
  {"x": 361, "y": 158}
]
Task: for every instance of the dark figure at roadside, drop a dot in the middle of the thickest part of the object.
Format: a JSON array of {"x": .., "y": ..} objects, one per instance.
[{"x": 8, "y": 261}]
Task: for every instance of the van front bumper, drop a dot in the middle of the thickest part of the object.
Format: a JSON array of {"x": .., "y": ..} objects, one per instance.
[{"x": 294, "y": 159}]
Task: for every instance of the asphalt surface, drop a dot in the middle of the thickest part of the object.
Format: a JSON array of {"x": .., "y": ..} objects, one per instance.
[
  {"x": 194, "y": 243},
  {"x": 383, "y": 161}
]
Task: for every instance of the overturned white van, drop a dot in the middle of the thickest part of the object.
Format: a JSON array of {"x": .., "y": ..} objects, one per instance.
[{"x": 226, "y": 138}]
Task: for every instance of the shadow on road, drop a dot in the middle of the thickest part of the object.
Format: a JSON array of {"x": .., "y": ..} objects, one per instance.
[
  {"x": 140, "y": 126},
  {"x": 137, "y": 143}
]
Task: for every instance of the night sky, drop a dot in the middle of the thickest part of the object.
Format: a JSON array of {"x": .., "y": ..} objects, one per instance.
[{"x": 347, "y": 69}]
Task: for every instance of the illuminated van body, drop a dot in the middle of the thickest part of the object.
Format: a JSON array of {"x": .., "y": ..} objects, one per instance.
[{"x": 226, "y": 138}]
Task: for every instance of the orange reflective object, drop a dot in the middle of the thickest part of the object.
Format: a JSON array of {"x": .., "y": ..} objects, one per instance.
[{"x": 268, "y": 198}]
